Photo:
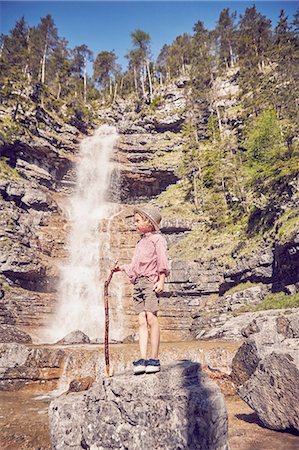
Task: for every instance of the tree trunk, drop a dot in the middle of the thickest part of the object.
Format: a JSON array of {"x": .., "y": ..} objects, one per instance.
[
  {"x": 115, "y": 92},
  {"x": 149, "y": 81},
  {"x": 43, "y": 73},
  {"x": 121, "y": 85},
  {"x": 59, "y": 90},
  {"x": 142, "y": 82},
  {"x": 85, "y": 82},
  {"x": 232, "y": 64},
  {"x": 135, "y": 80},
  {"x": 219, "y": 120}
]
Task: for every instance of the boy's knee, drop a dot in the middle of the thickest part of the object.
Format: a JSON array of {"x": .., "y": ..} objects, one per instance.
[
  {"x": 151, "y": 318},
  {"x": 142, "y": 319}
]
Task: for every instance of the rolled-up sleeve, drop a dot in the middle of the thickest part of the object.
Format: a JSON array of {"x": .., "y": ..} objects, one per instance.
[{"x": 163, "y": 265}]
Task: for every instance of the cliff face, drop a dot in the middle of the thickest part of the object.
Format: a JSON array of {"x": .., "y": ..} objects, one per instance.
[{"x": 37, "y": 176}]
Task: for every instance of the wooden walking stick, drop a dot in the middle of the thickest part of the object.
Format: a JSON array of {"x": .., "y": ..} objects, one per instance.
[{"x": 106, "y": 285}]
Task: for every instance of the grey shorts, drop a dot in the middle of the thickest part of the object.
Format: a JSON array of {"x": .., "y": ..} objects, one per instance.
[{"x": 144, "y": 297}]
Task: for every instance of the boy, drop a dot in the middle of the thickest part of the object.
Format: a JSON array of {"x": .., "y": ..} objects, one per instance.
[{"x": 147, "y": 272}]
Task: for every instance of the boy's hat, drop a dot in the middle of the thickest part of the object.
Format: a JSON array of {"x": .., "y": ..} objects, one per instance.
[{"x": 153, "y": 214}]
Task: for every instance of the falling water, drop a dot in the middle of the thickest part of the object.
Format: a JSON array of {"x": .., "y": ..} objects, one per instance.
[{"x": 80, "y": 293}]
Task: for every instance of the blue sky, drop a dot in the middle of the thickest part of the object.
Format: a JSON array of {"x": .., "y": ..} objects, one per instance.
[{"x": 107, "y": 25}]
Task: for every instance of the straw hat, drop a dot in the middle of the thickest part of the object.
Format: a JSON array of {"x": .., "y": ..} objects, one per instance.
[{"x": 153, "y": 214}]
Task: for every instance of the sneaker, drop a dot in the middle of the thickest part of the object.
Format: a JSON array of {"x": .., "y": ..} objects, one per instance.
[
  {"x": 139, "y": 366},
  {"x": 152, "y": 366}
]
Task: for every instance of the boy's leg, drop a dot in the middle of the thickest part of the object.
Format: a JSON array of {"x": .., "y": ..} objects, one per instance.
[
  {"x": 143, "y": 334},
  {"x": 153, "y": 323}
]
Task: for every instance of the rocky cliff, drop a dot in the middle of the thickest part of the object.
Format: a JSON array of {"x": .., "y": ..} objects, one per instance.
[{"x": 37, "y": 175}]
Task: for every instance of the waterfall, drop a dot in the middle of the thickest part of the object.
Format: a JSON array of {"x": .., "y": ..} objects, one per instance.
[{"x": 80, "y": 291}]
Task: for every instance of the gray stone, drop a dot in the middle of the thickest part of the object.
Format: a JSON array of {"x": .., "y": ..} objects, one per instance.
[
  {"x": 273, "y": 391},
  {"x": 178, "y": 408},
  {"x": 10, "y": 333},
  {"x": 266, "y": 370},
  {"x": 37, "y": 199},
  {"x": 12, "y": 355},
  {"x": 75, "y": 337}
]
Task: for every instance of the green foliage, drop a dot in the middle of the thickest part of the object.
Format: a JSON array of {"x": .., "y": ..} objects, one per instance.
[
  {"x": 157, "y": 101},
  {"x": 278, "y": 300},
  {"x": 10, "y": 131},
  {"x": 241, "y": 287},
  {"x": 270, "y": 160},
  {"x": 6, "y": 171}
]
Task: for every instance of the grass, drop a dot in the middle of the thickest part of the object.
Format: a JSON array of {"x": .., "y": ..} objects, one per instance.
[
  {"x": 241, "y": 287},
  {"x": 6, "y": 171},
  {"x": 208, "y": 245},
  {"x": 174, "y": 203},
  {"x": 165, "y": 160},
  {"x": 278, "y": 300},
  {"x": 288, "y": 225}
]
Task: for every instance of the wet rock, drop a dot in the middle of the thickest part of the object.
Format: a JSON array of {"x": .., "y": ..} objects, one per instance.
[
  {"x": 10, "y": 333},
  {"x": 83, "y": 384},
  {"x": 176, "y": 408},
  {"x": 266, "y": 369},
  {"x": 75, "y": 337}
]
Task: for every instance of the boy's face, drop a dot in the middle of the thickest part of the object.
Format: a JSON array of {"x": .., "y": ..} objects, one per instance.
[{"x": 142, "y": 225}]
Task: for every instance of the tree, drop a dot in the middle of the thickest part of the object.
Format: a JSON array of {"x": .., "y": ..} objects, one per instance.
[
  {"x": 254, "y": 46},
  {"x": 48, "y": 39},
  {"x": 226, "y": 34},
  {"x": 162, "y": 63},
  {"x": 141, "y": 41},
  {"x": 202, "y": 58},
  {"x": 81, "y": 55},
  {"x": 285, "y": 71},
  {"x": 59, "y": 67},
  {"x": 14, "y": 64},
  {"x": 104, "y": 67}
]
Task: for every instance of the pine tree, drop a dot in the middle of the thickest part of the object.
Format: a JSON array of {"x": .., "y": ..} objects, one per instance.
[
  {"x": 82, "y": 54},
  {"x": 104, "y": 68},
  {"x": 14, "y": 65},
  {"x": 141, "y": 41},
  {"x": 226, "y": 34},
  {"x": 254, "y": 46}
]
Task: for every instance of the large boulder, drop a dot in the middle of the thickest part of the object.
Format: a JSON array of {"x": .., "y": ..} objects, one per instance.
[
  {"x": 179, "y": 407},
  {"x": 75, "y": 337},
  {"x": 266, "y": 370}
]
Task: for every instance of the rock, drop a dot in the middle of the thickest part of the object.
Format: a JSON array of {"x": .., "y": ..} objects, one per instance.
[
  {"x": 37, "y": 199},
  {"x": 10, "y": 333},
  {"x": 12, "y": 355},
  {"x": 75, "y": 337},
  {"x": 266, "y": 370},
  {"x": 176, "y": 408},
  {"x": 81, "y": 385},
  {"x": 273, "y": 391}
]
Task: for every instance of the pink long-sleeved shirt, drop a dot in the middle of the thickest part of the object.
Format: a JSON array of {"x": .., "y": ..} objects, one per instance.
[{"x": 149, "y": 259}]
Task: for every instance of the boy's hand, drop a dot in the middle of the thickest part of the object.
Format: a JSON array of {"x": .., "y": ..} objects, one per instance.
[
  {"x": 116, "y": 267},
  {"x": 159, "y": 286}
]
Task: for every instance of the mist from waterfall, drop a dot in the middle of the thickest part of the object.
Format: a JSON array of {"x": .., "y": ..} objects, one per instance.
[{"x": 80, "y": 293}]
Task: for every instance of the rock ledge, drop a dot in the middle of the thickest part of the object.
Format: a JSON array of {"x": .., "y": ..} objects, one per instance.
[{"x": 180, "y": 407}]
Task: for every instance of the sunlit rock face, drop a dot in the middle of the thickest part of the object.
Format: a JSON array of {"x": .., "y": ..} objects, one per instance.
[
  {"x": 266, "y": 369},
  {"x": 33, "y": 225},
  {"x": 176, "y": 408},
  {"x": 37, "y": 228}
]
